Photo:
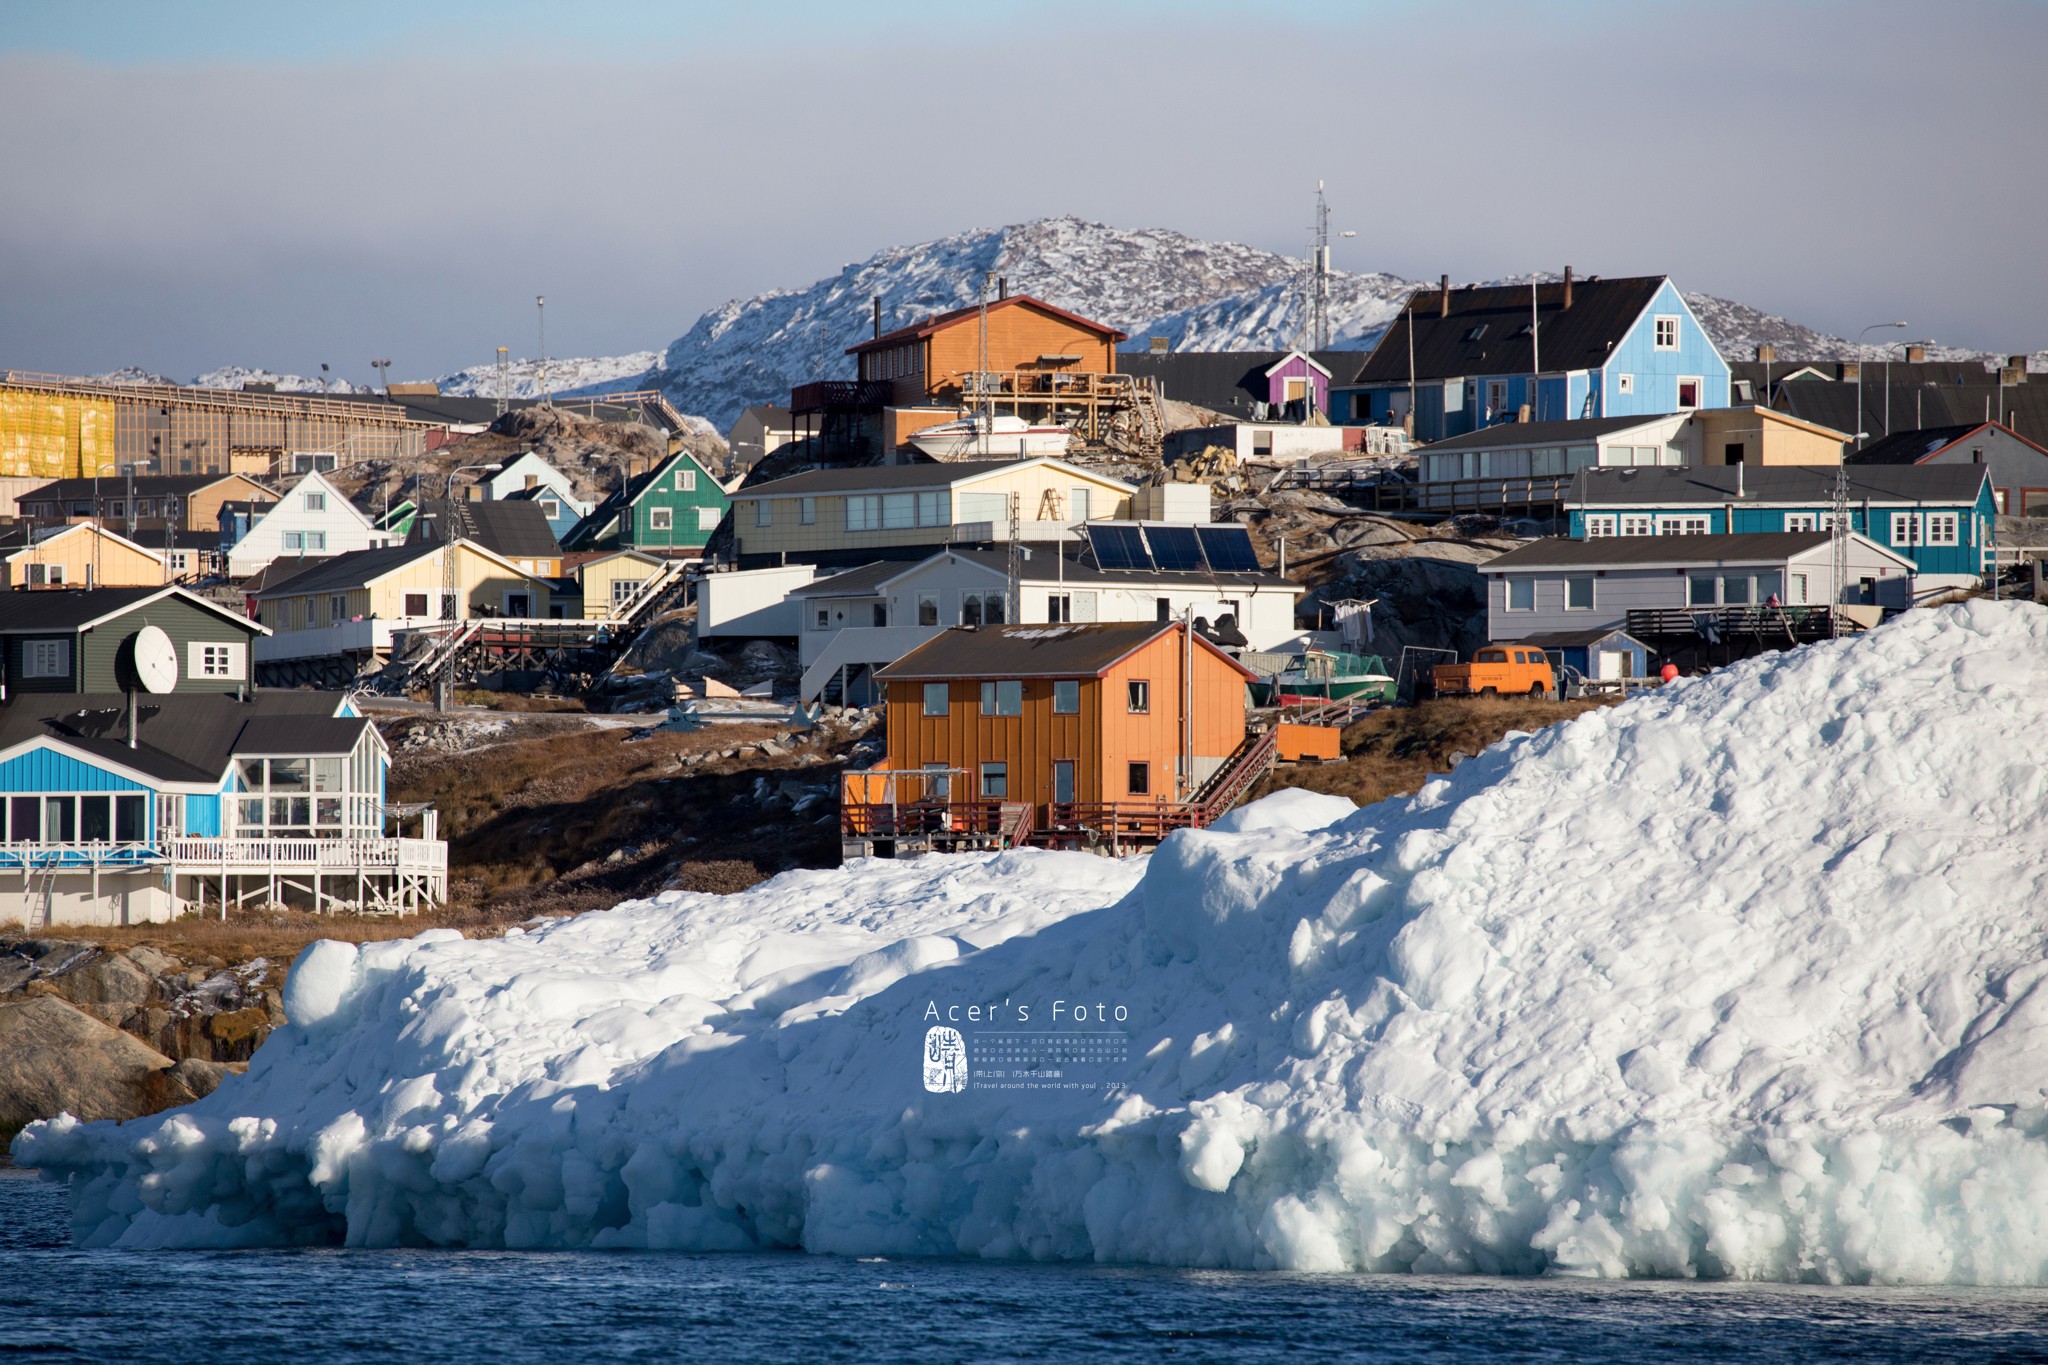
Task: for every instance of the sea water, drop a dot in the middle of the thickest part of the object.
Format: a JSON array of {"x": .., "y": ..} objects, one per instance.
[{"x": 310, "y": 1307}]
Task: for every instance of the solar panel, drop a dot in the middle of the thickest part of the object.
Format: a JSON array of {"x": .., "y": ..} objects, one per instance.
[
  {"x": 1119, "y": 547},
  {"x": 1229, "y": 548},
  {"x": 1175, "y": 549}
]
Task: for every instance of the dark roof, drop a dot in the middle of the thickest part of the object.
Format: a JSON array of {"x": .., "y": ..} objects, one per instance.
[
  {"x": 1076, "y": 565},
  {"x": 856, "y": 582},
  {"x": 1650, "y": 551},
  {"x": 1941, "y": 372},
  {"x": 872, "y": 478},
  {"x": 1660, "y": 486},
  {"x": 31, "y": 612},
  {"x": 942, "y": 320},
  {"x": 1029, "y": 651},
  {"x": 1576, "y": 338},
  {"x": 516, "y": 530},
  {"x": 1917, "y": 406},
  {"x": 609, "y": 506},
  {"x": 1906, "y": 447},
  {"x": 1226, "y": 381},
  {"x": 183, "y": 737},
  {"x": 1541, "y": 433},
  {"x": 1574, "y": 639},
  {"x": 350, "y": 570},
  {"x": 277, "y": 734},
  {"x": 116, "y": 485}
]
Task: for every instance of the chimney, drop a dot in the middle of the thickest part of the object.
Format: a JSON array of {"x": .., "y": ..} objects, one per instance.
[
  {"x": 1916, "y": 355},
  {"x": 1002, "y": 287},
  {"x": 1444, "y": 297},
  {"x": 878, "y": 315},
  {"x": 1567, "y": 286},
  {"x": 1765, "y": 355},
  {"x": 1851, "y": 370}
]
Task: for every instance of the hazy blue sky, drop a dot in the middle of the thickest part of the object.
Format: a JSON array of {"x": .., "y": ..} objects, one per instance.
[{"x": 265, "y": 184}]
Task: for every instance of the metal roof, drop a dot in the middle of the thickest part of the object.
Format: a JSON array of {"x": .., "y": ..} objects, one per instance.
[
  {"x": 1576, "y": 338},
  {"x": 1574, "y": 639},
  {"x": 145, "y": 486},
  {"x": 514, "y": 529},
  {"x": 1541, "y": 433},
  {"x": 1803, "y": 485},
  {"x": 291, "y": 735},
  {"x": 939, "y": 321},
  {"x": 1909, "y": 447},
  {"x": 1226, "y": 381},
  {"x": 1640, "y": 552},
  {"x": 182, "y": 737},
  {"x": 1070, "y": 651},
  {"x": 355, "y": 569},
  {"x": 77, "y": 608}
]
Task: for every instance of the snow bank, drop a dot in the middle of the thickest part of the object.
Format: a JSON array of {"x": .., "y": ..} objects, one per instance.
[{"x": 1743, "y": 978}]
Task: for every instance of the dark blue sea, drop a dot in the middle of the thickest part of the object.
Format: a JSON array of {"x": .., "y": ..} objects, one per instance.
[{"x": 311, "y": 1307}]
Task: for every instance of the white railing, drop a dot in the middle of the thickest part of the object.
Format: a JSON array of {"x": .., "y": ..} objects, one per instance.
[
  {"x": 80, "y": 854},
  {"x": 325, "y": 855}
]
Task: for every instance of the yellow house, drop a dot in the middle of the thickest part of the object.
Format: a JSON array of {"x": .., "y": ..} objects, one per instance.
[
  {"x": 852, "y": 516},
  {"x": 81, "y": 555},
  {"x": 611, "y": 581},
  {"x": 350, "y": 605},
  {"x": 1759, "y": 436}
]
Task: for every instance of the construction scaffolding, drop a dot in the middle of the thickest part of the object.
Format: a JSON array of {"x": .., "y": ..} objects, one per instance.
[
  {"x": 1109, "y": 412},
  {"x": 87, "y": 426}
]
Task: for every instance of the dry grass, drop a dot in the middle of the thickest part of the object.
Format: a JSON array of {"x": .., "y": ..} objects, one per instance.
[
  {"x": 1393, "y": 752},
  {"x": 521, "y": 702}
]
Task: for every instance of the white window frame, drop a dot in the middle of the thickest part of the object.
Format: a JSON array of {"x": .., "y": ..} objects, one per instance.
[
  {"x": 217, "y": 660},
  {"x": 863, "y": 512},
  {"x": 337, "y": 608},
  {"x": 1519, "y": 581},
  {"x": 661, "y": 518},
  {"x": 426, "y": 605},
  {"x": 293, "y": 540},
  {"x": 316, "y": 540},
  {"x": 686, "y": 481},
  {"x": 1624, "y": 383},
  {"x": 1599, "y": 524},
  {"x": 1942, "y": 528},
  {"x": 1802, "y": 521},
  {"x": 1699, "y": 392},
  {"x": 1686, "y": 524},
  {"x": 46, "y": 658},
  {"x": 316, "y": 502},
  {"x": 807, "y": 511},
  {"x": 1906, "y": 530},
  {"x": 1496, "y": 397},
  {"x": 1658, "y": 338},
  {"x": 550, "y": 508}
]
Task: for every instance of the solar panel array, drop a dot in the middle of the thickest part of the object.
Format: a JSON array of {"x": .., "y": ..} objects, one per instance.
[{"x": 1173, "y": 549}]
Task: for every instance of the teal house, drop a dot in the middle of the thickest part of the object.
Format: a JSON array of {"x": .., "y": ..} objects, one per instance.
[{"x": 671, "y": 509}]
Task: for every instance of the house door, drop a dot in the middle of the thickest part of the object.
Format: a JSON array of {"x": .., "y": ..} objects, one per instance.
[
  {"x": 518, "y": 604},
  {"x": 1610, "y": 663},
  {"x": 1063, "y": 781}
]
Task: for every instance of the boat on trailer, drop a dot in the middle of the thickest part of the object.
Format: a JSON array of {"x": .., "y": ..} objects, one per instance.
[{"x": 1000, "y": 436}]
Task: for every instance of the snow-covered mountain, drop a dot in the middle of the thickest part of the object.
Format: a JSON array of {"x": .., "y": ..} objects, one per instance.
[{"x": 1149, "y": 282}]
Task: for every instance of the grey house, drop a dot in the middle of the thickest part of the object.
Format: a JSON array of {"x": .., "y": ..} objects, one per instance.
[
  {"x": 81, "y": 641},
  {"x": 2018, "y": 468},
  {"x": 1559, "y": 585}
]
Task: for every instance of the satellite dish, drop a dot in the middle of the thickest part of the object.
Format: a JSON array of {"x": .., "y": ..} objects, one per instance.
[{"x": 156, "y": 661}]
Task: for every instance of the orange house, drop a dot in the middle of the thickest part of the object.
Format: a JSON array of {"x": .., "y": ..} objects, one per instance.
[
  {"x": 1055, "y": 734},
  {"x": 926, "y": 364}
]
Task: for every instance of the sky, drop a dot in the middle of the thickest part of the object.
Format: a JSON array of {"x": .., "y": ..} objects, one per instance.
[{"x": 271, "y": 185}]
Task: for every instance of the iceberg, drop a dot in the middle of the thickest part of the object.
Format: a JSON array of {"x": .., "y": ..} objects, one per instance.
[{"x": 1744, "y": 978}]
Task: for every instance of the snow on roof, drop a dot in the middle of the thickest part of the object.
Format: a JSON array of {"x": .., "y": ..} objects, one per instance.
[{"x": 1620, "y": 997}]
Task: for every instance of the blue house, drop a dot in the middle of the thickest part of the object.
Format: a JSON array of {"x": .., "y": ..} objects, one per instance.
[
  {"x": 127, "y": 808},
  {"x": 1473, "y": 357},
  {"x": 1941, "y": 517}
]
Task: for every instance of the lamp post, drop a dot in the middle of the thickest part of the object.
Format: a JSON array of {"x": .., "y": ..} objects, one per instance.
[
  {"x": 1860, "y": 423},
  {"x": 383, "y": 369},
  {"x": 1889, "y": 348}
]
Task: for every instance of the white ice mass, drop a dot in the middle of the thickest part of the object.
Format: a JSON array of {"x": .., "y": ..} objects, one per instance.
[{"x": 1746, "y": 977}]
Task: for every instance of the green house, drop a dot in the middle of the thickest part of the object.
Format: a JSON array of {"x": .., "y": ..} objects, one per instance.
[
  {"x": 84, "y": 641},
  {"x": 671, "y": 509}
]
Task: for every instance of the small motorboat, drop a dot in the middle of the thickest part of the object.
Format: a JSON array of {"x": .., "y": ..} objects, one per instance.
[
  {"x": 1001, "y": 437},
  {"x": 1327, "y": 675}
]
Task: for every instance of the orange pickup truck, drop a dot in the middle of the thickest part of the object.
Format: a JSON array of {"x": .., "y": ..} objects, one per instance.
[{"x": 1497, "y": 670}]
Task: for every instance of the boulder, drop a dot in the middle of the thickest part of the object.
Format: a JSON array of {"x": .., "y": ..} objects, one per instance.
[
  {"x": 55, "y": 1058},
  {"x": 108, "y": 986}
]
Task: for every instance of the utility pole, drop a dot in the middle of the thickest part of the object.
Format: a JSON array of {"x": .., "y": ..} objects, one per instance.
[
  {"x": 988, "y": 412},
  {"x": 540, "y": 304},
  {"x": 504, "y": 380}
]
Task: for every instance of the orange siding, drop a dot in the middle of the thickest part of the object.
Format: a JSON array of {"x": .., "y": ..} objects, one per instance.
[{"x": 1017, "y": 336}]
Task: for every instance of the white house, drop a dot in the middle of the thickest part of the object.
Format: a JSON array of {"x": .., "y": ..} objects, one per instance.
[
  {"x": 531, "y": 477},
  {"x": 313, "y": 520},
  {"x": 1576, "y": 585},
  {"x": 864, "y": 619}
]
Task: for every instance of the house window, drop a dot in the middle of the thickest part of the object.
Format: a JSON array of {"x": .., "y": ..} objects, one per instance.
[
  {"x": 1522, "y": 594},
  {"x": 863, "y": 513},
  {"x": 45, "y": 575},
  {"x": 686, "y": 481},
  {"x": 881, "y": 615},
  {"x": 661, "y": 519},
  {"x": 294, "y": 540},
  {"x": 1770, "y": 588},
  {"x": 708, "y": 518},
  {"x": 1578, "y": 594},
  {"x": 316, "y": 540},
  {"x": 1138, "y": 697},
  {"x": 1801, "y": 521},
  {"x": 1905, "y": 528},
  {"x": 1699, "y": 590},
  {"x": 337, "y": 608},
  {"x": 46, "y": 659},
  {"x": 1163, "y": 608},
  {"x": 1066, "y": 697},
  {"x": 938, "y": 782},
  {"x": 1002, "y": 698},
  {"x": 1798, "y": 594},
  {"x": 1059, "y": 608},
  {"x": 146, "y": 507},
  {"x": 1944, "y": 528},
  {"x": 983, "y": 608},
  {"x": 995, "y": 781},
  {"x": 316, "y": 502},
  {"x": 213, "y": 661},
  {"x": 927, "y": 608},
  {"x": 1684, "y": 526},
  {"x": 625, "y": 590},
  {"x": 807, "y": 511},
  {"x": 1139, "y": 780},
  {"x": 1688, "y": 393},
  {"x": 120, "y": 508},
  {"x": 1667, "y": 332},
  {"x": 763, "y": 516},
  {"x": 935, "y": 698},
  {"x": 415, "y": 604},
  {"x": 1597, "y": 526},
  {"x": 1735, "y": 590},
  {"x": 550, "y": 509},
  {"x": 1496, "y": 397},
  {"x": 1454, "y": 395},
  {"x": 824, "y": 619},
  {"x": 1732, "y": 452}
]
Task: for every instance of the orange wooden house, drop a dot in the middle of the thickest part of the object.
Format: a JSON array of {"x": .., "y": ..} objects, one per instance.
[
  {"x": 928, "y": 364},
  {"x": 1060, "y": 735}
]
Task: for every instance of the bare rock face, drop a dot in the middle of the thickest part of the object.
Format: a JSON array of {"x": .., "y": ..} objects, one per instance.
[{"x": 55, "y": 1058}]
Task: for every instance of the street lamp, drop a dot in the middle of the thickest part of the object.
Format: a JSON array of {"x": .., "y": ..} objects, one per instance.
[
  {"x": 1896, "y": 345},
  {"x": 383, "y": 368},
  {"x": 1859, "y": 381},
  {"x": 540, "y": 304}
]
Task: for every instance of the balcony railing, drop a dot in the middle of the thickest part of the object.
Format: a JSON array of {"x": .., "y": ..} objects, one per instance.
[{"x": 232, "y": 855}]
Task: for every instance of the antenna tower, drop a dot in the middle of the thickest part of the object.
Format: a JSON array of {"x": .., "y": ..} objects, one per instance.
[
  {"x": 1841, "y": 546},
  {"x": 1016, "y": 564},
  {"x": 988, "y": 411},
  {"x": 1317, "y": 330},
  {"x": 504, "y": 380}
]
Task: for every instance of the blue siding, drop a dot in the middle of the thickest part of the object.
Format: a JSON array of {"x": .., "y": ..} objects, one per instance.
[
  {"x": 46, "y": 770},
  {"x": 202, "y": 816},
  {"x": 1657, "y": 372}
]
